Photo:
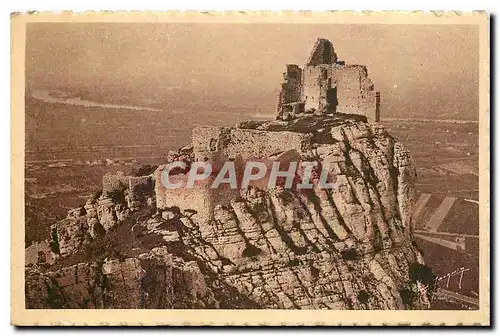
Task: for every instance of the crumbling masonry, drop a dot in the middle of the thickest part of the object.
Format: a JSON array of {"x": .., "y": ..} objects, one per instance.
[{"x": 325, "y": 86}]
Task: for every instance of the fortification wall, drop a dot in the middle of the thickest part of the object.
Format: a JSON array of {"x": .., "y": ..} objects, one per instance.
[
  {"x": 38, "y": 252},
  {"x": 220, "y": 144},
  {"x": 198, "y": 201},
  {"x": 114, "y": 182},
  {"x": 292, "y": 85},
  {"x": 311, "y": 87},
  {"x": 354, "y": 90},
  {"x": 326, "y": 86},
  {"x": 323, "y": 53},
  {"x": 137, "y": 188}
]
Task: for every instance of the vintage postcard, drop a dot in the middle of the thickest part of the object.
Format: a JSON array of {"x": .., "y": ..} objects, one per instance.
[{"x": 250, "y": 168}]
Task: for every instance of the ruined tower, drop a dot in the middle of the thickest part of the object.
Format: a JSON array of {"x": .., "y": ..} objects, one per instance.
[
  {"x": 322, "y": 53},
  {"x": 327, "y": 86}
]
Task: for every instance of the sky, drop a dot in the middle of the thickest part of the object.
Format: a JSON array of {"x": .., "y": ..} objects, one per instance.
[{"x": 421, "y": 71}]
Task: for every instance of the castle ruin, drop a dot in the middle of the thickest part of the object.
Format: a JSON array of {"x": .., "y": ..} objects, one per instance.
[{"x": 326, "y": 86}]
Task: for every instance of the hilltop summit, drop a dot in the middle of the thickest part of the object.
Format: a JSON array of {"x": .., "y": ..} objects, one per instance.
[
  {"x": 138, "y": 244},
  {"x": 327, "y": 86},
  {"x": 344, "y": 248}
]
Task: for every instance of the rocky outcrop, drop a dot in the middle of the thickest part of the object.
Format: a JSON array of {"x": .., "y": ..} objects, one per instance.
[
  {"x": 120, "y": 196},
  {"x": 349, "y": 247},
  {"x": 345, "y": 248},
  {"x": 152, "y": 280}
]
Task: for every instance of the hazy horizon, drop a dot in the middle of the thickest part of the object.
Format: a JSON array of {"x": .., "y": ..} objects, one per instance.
[{"x": 421, "y": 71}]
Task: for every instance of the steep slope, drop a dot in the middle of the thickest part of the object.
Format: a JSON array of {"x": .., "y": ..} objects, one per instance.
[{"x": 349, "y": 247}]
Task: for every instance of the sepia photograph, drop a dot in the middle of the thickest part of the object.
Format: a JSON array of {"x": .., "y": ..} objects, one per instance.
[{"x": 179, "y": 166}]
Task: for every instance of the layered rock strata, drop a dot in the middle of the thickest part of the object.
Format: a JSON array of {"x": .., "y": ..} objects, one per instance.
[{"x": 349, "y": 247}]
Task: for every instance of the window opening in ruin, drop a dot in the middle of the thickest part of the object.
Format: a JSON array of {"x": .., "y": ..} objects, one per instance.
[
  {"x": 331, "y": 97},
  {"x": 327, "y": 54},
  {"x": 213, "y": 145}
]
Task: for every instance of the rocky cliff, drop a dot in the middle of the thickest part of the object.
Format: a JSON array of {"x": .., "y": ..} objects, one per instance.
[{"x": 349, "y": 247}]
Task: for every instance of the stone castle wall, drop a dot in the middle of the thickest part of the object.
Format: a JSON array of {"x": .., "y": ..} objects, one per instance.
[
  {"x": 328, "y": 86},
  {"x": 197, "y": 202},
  {"x": 312, "y": 83},
  {"x": 38, "y": 252},
  {"x": 292, "y": 85},
  {"x": 353, "y": 90},
  {"x": 220, "y": 144}
]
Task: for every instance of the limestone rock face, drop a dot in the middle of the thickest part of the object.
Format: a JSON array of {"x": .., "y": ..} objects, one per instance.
[
  {"x": 152, "y": 280},
  {"x": 121, "y": 195},
  {"x": 348, "y": 247}
]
